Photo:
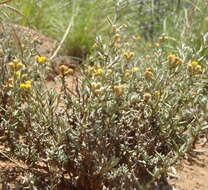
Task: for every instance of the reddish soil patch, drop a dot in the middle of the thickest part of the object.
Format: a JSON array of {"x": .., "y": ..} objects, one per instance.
[
  {"x": 192, "y": 172},
  {"x": 25, "y": 35},
  {"x": 71, "y": 83}
]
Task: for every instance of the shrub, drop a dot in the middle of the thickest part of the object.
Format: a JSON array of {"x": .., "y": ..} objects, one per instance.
[{"x": 129, "y": 119}]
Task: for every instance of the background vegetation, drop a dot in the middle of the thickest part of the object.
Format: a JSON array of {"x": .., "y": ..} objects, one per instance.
[{"x": 140, "y": 101}]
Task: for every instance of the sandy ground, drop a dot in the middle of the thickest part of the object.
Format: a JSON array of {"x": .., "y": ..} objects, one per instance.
[{"x": 192, "y": 172}]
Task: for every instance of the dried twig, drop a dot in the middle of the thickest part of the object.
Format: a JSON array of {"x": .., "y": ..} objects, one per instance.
[
  {"x": 6, "y": 1},
  {"x": 71, "y": 22}
]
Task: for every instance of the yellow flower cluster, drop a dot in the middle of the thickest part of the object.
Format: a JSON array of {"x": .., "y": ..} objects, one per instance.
[
  {"x": 98, "y": 72},
  {"x": 40, "y": 59},
  {"x": 117, "y": 37},
  {"x": 128, "y": 72},
  {"x": 65, "y": 70},
  {"x": 25, "y": 85},
  {"x": 194, "y": 68},
  {"x": 96, "y": 87},
  {"x": 174, "y": 61},
  {"x": 157, "y": 94},
  {"x": 147, "y": 96},
  {"x": 163, "y": 38},
  {"x": 99, "y": 91},
  {"x": 157, "y": 45},
  {"x": 17, "y": 73},
  {"x": 15, "y": 65},
  {"x": 148, "y": 73},
  {"x": 115, "y": 29},
  {"x": 135, "y": 69},
  {"x": 9, "y": 84},
  {"x": 119, "y": 89},
  {"x": 128, "y": 54}
]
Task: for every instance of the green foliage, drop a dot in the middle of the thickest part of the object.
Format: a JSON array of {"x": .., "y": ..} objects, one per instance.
[
  {"x": 52, "y": 17},
  {"x": 147, "y": 18},
  {"x": 87, "y": 22},
  {"x": 129, "y": 121},
  {"x": 132, "y": 114}
]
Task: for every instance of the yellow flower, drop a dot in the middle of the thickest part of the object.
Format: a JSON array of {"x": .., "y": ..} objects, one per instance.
[
  {"x": 95, "y": 45},
  {"x": 117, "y": 37},
  {"x": 157, "y": 45},
  {"x": 17, "y": 73},
  {"x": 171, "y": 58},
  {"x": 99, "y": 72},
  {"x": 194, "y": 63},
  {"x": 70, "y": 71},
  {"x": 10, "y": 80},
  {"x": 190, "y": 68},
  {"x": 10, "y": 83},
  {"x": 96, "y": 85},
  {"x": 174, "y": 61},
  {"x": 24, "y": 75},
  {"x": 128, "y": 54},
  {"x": 40, "y": 59},
  {"x": 136, "y": 38},
  {"x": 157, "y": 94},
  {"x": 28, "y": 82},
  {"x": 198, "y": 69},
  {"x": 147, "y": 97},
  {"x": 25, "y": 85},
  {"x": 148, "y": 74},
  {"x": 127, "y": 73},
  {"x": 194, "y": 68},
  {"x": 147, "y": 56},
  {"x": 109, "y": 70},
  {"x": 99, "y": 91},
  {"x": 135, "y": 69},
  {"x": 119, "y": 89},
  {"x": 163, "y": 38},
  {"x": 115, "y": 29},
  {"x": 65, "y": 70},
  {"x": 16, "y": 64}
]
